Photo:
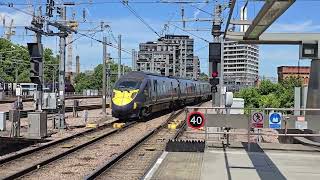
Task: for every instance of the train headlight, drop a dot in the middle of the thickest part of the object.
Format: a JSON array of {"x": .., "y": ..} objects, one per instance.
[
  {"x": 133, "y": 95},
  {"x": 135, "y": 105}
]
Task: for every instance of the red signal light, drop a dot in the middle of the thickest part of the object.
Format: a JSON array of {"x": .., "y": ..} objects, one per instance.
[{"x": 214, "y": 74}]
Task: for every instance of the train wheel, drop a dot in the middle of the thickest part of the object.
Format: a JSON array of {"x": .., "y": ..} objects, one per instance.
[
  {"x": 171, "y": 106},
  {"x": 142, "y": 115}
]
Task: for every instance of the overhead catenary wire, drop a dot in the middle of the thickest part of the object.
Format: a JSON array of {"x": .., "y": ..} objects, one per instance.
[
  {"x": 117, "y": 2},
  {"x": 140, "y": 18},
  {"x": 201, "y": 10},
  {"x": 82, "y": 34},
  {"x": 109, "y": 44},
  {"x": 189, "y": 33},
  {"x": 94, "y": 32}
]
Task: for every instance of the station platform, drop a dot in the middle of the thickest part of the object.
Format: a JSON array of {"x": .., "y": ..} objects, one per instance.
[{"x": 264, "y": 161}]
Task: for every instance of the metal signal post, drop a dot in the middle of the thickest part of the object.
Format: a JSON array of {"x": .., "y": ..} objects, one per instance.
[
  {"x": 61, "y": 124},
  {"x": 119, "y": 56},
  {"x": 216, "y": 52},
  {"x": 104, "y": 75}
]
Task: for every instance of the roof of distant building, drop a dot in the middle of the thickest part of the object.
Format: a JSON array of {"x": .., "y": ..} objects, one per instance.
[{"x": 293, "y": 66}]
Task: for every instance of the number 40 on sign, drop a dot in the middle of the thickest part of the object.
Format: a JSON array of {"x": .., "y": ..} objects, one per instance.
[{"x": 195, "y": 120}]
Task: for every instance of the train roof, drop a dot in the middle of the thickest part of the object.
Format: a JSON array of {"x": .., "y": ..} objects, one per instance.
[{"x": 142, "y": 74}]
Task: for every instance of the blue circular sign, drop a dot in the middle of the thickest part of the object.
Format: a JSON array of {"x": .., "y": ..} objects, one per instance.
[{"x": 275, "y": 118}]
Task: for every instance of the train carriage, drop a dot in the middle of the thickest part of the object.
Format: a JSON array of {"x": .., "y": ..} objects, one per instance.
[{"x": 138, "y": 94}]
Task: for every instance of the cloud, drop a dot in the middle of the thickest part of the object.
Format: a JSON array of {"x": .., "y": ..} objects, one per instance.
[
  {"x": 306, "y": 26},
  {"x": 19, "y": 18}
]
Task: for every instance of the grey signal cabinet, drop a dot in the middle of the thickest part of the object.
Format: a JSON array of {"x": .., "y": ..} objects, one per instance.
[{"x": 37, "y": 122}]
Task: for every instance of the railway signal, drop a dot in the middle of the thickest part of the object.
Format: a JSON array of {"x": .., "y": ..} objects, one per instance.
[
  {"x": 35, "y": 52},
  {"x": 214, "y": 61}
]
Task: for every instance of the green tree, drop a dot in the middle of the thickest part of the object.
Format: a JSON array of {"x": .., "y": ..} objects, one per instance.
[
  {"x": 12, "y": 58},
  {"x": 51, "y": 65},
  {"x": 286, "y": 95},
  {"x": 82, "y": 81},
  {"x": 269, "y": 94},
  {"x": 203, "y": 77},
  {"x": 15, "y": 57},
  {"x": 266, "y": 87},
  {"x": 269, "y": 101},
  {"x": 94, "y": 80},
  {"x": 251, "y": 97}
]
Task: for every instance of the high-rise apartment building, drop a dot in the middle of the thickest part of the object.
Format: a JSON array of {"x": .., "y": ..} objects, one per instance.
[
  {"x": 241, "y": 61},
  {"x": 241, "y": 65},
  {"x": 171, "y": 55}
]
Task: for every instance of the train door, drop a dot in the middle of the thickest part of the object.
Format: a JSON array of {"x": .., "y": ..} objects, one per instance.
[
  {"x": 171, "y": 90},
  {"x": 154, "y": 92},
  {"x": 187, "y": 90},
  {"x": 147, "y": 92}
]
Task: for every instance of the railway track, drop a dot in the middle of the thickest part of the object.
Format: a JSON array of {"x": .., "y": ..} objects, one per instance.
[
  {"x": 20, "y": 164},
  {"x": 80, "y": 163},
  {"x": 24, "y": 114},
  {"x": 11, "y": 100},
  {"x": 133, "y": 162}
]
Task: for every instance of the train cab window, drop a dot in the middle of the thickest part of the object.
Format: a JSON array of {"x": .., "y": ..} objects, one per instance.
[{"x": 127, "y": 85}]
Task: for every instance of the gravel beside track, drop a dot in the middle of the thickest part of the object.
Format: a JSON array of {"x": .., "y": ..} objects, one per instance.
[
  {"x": 94, "y": 116},
  {"x": 82, "y": 162},
  {"x": 69, "y": 102},
  {"x": 39, "y": 156},
  {"x": 138, "y": 161}
]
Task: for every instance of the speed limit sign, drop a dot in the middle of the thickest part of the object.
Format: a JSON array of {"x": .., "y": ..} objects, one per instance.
[{"x": 195, "y": 120}]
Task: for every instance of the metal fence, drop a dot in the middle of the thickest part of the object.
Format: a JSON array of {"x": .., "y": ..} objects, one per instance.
[{"x": 219, "y": 121}]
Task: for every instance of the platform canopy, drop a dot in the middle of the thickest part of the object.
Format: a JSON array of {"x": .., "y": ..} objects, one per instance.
[{"x": 271, "y": 10}]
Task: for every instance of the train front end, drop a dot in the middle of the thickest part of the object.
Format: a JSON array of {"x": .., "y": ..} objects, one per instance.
[{"x": 125, "y": 104}]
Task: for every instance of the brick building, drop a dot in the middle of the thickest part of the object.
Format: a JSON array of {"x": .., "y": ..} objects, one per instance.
[{"x": 294, "y": 71}]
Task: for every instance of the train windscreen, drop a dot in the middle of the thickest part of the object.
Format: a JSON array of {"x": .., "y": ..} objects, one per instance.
[{"x": 127, "y": 85}]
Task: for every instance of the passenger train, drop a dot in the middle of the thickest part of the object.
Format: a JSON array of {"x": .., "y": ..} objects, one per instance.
[{"x": 139, "y": 94}]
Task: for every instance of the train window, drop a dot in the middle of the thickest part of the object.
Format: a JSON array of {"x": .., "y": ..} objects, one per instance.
[
  {"x": 155, "y": 85},
  {"x": 187, "y": 91},
  {"x": 159, "y": 90},
  {"x": 146, "y": 89}
]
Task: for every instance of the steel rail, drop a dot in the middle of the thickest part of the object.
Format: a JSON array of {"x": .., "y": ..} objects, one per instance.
[
  {"x": 48, "y": 145},
  {"x": 63, "y": 154},
  {"x": 24, "y": 113},
  {"x": 183, "y": 126},
  {"x": 177, "y": 135},
  {"x": 116, "y": 159},
  {"x": 31, "y": 99}
]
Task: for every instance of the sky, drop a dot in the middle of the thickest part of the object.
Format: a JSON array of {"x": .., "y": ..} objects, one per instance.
[{"x": 301, "y": 17}]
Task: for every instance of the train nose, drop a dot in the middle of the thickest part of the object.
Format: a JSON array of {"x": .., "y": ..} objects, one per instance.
[
  {"x": 122, "y": 98},
  {"x": 123, "y": 105},
  {"x": 127, "y": 111}
]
